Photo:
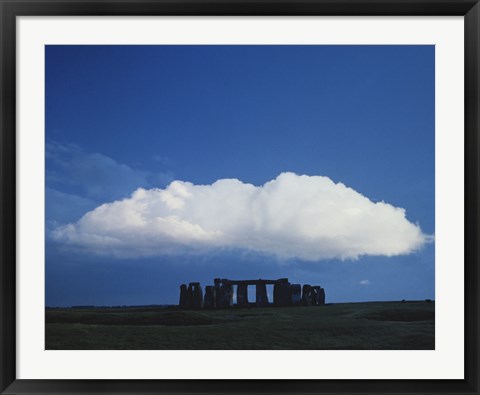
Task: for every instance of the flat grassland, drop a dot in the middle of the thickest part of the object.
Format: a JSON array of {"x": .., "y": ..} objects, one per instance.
[{"x": 350, "y": 326}]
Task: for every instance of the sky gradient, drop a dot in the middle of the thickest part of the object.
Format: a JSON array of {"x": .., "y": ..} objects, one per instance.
[{"x": 119, "y": 118}]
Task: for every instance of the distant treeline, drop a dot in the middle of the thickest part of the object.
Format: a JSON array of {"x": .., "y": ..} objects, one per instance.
[
  {"x": 146, "y": 306},
  {"x": 174, "y": 307}
]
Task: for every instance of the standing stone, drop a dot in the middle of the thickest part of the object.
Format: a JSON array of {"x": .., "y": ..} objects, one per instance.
[
  {"x": 321, "y": 297},
  {"x": 306, "y": 291},
  {"x": 281, "y": 293},
  {"x": 287, "y": 293},
  {"x": 242, "y": 295},
  {"x": 313, "y": 296},
  {"x": 227, "y": 294},
  {"x": 218, "y": 293},
  {"x": 296, "y": 294},
  {"x": 209, "y": 300},
  {"x": 190, "y": 295},
  {"x": 277, "y": 294},
  {"x": 224, "y": 291},
  {"x": 198, "y": 297},
  {"x": 183, "y": 296},
  {"x": 261, "y": 294},
  {"x": 195, "y": 295},
  {"x": 316, "y": 289}
]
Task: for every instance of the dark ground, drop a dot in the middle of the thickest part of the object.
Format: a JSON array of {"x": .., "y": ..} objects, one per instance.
[{"x": 351, "y": 326}]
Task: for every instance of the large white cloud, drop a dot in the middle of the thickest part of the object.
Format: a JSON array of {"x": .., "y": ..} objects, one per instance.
[{"x": 292, "y": 216}]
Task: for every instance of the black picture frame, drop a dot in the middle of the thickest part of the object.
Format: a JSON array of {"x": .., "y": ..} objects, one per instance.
[{"x": 10, "y": 9}]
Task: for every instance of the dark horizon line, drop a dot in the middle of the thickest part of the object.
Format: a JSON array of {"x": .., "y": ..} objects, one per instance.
[{"x": 176, "y": 305}]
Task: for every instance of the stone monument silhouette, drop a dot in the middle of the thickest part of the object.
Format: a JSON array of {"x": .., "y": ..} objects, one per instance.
[{"x": 220, "y": 295}]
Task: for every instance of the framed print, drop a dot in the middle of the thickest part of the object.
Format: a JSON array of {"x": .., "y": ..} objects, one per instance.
[{"x": 239, "y": 197}]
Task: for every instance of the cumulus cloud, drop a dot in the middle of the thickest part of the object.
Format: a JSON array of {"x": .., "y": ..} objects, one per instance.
[
  {"x": 365, "y": 282},
  {"x": 292, "y": 216}
]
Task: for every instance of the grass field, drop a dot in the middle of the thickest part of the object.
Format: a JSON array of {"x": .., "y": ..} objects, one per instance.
[{"x": 352, "y": 326}]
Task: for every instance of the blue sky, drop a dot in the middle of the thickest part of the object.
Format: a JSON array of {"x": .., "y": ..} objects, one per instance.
[{"x": 119, "y": 118}]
